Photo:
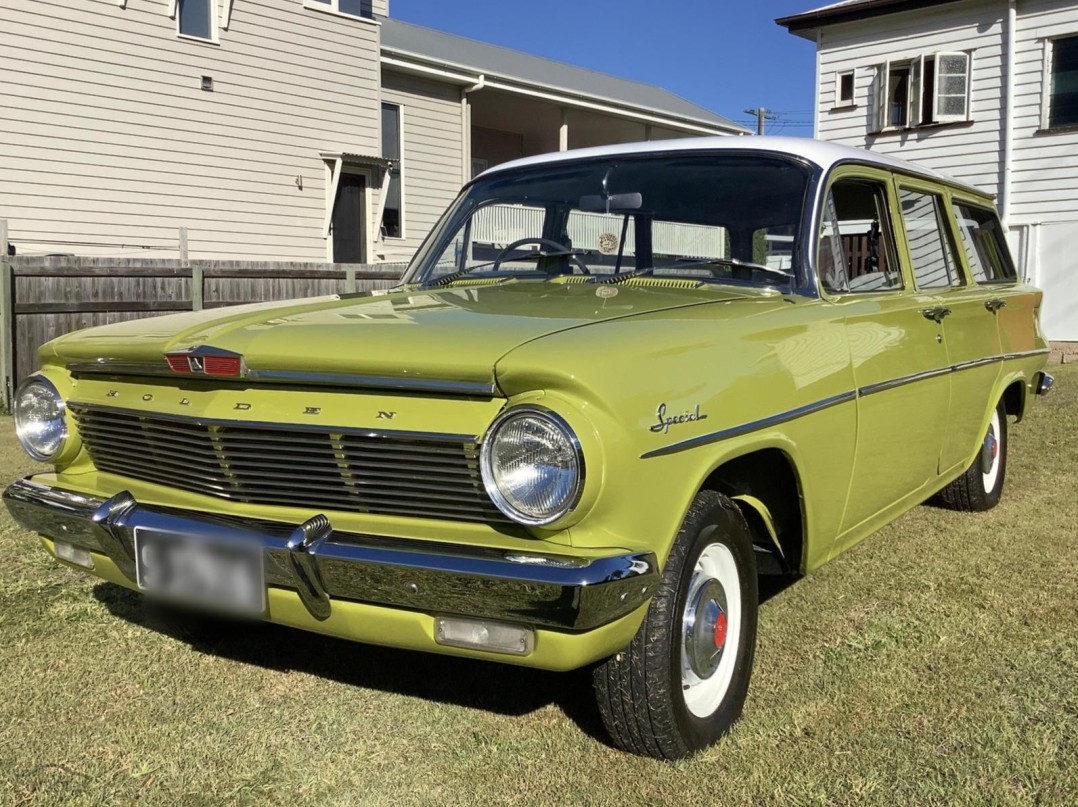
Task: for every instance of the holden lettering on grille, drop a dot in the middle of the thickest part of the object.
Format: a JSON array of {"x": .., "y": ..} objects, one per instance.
[{"x": 324, "y": 469}]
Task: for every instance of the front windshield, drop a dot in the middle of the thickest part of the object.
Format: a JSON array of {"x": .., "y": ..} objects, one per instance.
[{"x": 728, "y": 218}]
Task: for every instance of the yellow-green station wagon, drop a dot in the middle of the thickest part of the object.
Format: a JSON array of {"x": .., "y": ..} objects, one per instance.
[{"x": 614, "y": 387}]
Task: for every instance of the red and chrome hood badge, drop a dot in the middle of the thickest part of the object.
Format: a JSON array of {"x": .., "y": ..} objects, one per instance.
[{"x": 205, "y": 360}]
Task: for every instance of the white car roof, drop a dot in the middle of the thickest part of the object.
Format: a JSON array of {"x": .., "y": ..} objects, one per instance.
[{"x": 819, "y": 152}]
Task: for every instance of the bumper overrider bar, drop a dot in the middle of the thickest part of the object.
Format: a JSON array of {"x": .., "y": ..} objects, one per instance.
[{"x": 322, "y": 564}]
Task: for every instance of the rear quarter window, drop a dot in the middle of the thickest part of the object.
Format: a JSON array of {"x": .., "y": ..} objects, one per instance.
[{"x": 984, "y": 243}]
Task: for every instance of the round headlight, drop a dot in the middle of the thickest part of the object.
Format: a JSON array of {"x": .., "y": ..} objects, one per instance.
[
  {"x": 532, "y": 465},
  {"x": 40, "y": 424}
]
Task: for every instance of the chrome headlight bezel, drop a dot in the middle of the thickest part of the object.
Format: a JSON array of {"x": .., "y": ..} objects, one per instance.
[
  {"x": 20, "y": 428},
  {"x": 501, "y": 501}
]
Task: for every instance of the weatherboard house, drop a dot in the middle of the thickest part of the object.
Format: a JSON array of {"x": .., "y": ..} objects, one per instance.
[
  {"x": 984, "y": 90},
  {"x": 301, "y": 130}
]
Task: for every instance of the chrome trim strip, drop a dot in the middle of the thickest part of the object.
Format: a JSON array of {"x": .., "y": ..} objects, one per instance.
[
  {"x": 860, "y": 392},
  {"x": 1026, "y": 353},
  {"x": 566, "y": 593},
  {"x": 432, "y": 385},
  {"x": 469, "y": 439},
  {"x": 871, "y": 389},
  {"x": 756, "y": 425},
  {"x": 477, "y": 388},
  {"x": 965, "y": 365}
]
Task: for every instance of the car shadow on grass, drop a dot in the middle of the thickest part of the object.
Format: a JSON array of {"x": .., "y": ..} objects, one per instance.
[
  {"x": 505, "y": 690},
  {"x": 500, "y": 689}
]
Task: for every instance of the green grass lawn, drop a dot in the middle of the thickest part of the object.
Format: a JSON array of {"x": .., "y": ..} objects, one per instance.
[{"x": 937, "y": 662}]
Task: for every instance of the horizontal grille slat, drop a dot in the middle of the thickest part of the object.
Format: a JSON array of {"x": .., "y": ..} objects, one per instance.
[{"x": 380, "y": 473}]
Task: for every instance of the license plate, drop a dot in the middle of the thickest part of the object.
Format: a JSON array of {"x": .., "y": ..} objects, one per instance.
[{"x": 214, "y": 573}]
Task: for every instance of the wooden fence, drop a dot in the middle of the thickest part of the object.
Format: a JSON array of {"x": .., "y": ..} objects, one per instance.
[{"x": 42, "y": 298}]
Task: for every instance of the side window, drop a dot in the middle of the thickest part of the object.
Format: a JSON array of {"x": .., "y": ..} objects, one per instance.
[
  {"x": 931, "y": 253},
  {"x": 986, "y": 248},
  {"x": 856, "y": 244}
]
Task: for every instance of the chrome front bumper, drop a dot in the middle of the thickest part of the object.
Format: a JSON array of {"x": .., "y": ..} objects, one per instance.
[{"x": 322, "y": 564}]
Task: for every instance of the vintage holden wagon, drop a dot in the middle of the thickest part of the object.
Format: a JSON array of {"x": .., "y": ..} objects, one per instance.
[{"x": 614, "y": 386}]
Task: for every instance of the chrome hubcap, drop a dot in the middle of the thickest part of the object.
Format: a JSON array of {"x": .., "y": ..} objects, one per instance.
[
  {"x": 706, "y": 628},
  {"x": 710, "y": 630},
  {"x": 990, "y": 455}
]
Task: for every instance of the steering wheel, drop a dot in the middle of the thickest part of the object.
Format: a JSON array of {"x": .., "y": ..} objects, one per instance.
[{"x": 560, "y": 251}]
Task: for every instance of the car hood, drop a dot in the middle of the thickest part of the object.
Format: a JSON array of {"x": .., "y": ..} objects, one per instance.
[{"x": 453, "y": 334}]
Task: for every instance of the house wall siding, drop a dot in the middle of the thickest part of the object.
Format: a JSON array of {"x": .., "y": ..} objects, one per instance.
[
  {"x": 107, "y": 138},
  {"x": 432, "y": 131},
  {"x": 1044, "y": 170}
]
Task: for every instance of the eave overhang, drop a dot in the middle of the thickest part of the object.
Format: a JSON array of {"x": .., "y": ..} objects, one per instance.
[
  {"x": 807, "y": 23},
  {"x": 475, "y": 79}
]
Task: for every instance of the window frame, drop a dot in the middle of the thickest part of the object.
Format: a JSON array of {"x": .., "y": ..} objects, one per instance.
[
  {"x": 885, "y": 181},
  {"x": 851, "y": 101},
  {"x": 919, "y": 92},
  {"x": 215, "y": 22},
  {"x": 1008, "y": 259},
  {"x": 399, "y": 169},
  {"x": 946, "y": 222},
  {"x": 334, "y": 7},
  {"x": 1048, "y": 52}
]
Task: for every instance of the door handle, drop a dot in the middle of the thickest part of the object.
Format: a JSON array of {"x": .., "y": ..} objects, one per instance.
[
  {"x": 994, "y": 305},
  {"x": 936, "y": 313}
]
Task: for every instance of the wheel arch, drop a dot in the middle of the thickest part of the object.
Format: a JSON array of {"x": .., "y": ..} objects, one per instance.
[
  {"x": 765, "y": 485},
  {"x": 1014, "y": 396}
]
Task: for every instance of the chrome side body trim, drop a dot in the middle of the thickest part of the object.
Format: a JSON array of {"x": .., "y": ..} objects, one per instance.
[
  {"x": 871, "y": 389},
  {"x": 808, "y": 409},
  {"x": 321, "y": 564},
  {"x": 755, "y": 425},
  {"x": 113, "y": 367}
]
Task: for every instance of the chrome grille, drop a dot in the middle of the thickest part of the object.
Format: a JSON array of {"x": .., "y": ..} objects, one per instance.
[{"x": 387, "y": 473}]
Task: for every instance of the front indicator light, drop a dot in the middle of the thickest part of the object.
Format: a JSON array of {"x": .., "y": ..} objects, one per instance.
[
  {"x": 479, "y": 634},
  {"x": 72, "y": 554}
]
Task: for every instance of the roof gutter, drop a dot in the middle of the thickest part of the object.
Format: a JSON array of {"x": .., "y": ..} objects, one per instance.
[
  {"x": 805, "y": 24},
  {"x": 414, "y": 63}
]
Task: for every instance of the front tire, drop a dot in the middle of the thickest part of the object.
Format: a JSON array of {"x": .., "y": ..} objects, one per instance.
[
  {"x": 981, "y": 486},
  {"x": 682, "y": 682}
]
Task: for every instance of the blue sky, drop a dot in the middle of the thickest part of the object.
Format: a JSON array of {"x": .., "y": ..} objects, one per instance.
[{"x": 726, "y": 55}]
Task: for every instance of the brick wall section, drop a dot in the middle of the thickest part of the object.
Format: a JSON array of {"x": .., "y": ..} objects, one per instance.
[{"x": 1064, "y": 353}]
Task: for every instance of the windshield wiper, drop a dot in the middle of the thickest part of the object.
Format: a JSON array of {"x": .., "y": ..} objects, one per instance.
[
  {"x": 734, "y": 262},
  {"x": 452, "y": 277}
]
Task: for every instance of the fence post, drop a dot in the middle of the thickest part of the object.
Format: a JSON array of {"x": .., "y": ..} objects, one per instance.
[
  {"x": 7, "y": 323},
  {"x": 197, "y": 273}
]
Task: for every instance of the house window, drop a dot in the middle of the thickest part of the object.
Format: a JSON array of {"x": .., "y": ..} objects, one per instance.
[
  {"x": 1063, "y": 83},
  {"x": 916, "y": 92},
  {"x": 844, "y": 89},
  {"x": 195, "y": 18},
  {"x": 393, "y": 213},
  {"x": 349, "y": 8}
]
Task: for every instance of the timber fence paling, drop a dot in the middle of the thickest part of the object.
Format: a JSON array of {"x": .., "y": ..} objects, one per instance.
[{"x": 49, "y": 296}]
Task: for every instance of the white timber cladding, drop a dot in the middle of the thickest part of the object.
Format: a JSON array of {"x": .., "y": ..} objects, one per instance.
[
  {"x": 432, "y": 156},
  {"x": 108, "y": 139},
  {"x": 1043, "y": 204}
]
